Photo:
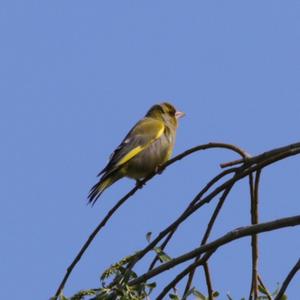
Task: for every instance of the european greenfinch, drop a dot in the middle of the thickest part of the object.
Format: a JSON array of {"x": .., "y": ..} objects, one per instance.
[{"x": 147, "y": 145}]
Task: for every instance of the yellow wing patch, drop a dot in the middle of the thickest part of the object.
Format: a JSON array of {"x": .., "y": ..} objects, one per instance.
[
  {"x": 138, "y": 149},
  {"x": 130, "y": 155}
]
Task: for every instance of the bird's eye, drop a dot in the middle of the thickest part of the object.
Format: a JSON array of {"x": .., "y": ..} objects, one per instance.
[{"x": 172, "y": 112}]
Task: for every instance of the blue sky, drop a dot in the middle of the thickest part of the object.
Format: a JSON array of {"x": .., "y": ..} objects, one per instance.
[{"x": 76, "y": 75}]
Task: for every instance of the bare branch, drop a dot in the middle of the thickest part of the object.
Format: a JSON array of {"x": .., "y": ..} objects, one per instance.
[
  {"x": 182, "y": 274},
  {"x": 254, "y": 239},
  {"x": 192, "y": 203},
  {"x": 233, "y": 163},
  {"x": 91, "y": 238},
  {"x": 206, "y": 236},
  {"x": 250, "y": 165},
  {"x": 261, "y": 157},
  {"x": 225, "y": 239},
  {"x": 208, "y": 281},
  {"x": 132, "y": 192},
  {"x": 288, "y": 280},
  {"x": 239, "y": 175}
]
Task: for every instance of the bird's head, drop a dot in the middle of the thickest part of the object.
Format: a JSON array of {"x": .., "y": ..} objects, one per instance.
[{"x": 165, "y": 112}]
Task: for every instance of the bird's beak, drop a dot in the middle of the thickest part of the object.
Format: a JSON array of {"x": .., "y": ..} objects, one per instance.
[{"x": 179, "y": 114}]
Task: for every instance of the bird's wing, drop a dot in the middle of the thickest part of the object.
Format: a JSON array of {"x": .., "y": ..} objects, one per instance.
[{"x": 143, "y": 134}]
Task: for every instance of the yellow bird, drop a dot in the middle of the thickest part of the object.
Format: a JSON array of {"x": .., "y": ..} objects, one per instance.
[{"x": 147, "y": 145}]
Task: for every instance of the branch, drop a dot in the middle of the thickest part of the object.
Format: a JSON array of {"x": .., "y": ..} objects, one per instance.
[
  {"x": 91, "y": 238},
  {"x": 288, "y": 280},
  {"x": 254, "y": 240},
  {"x": 192, "y": 203},
  {"x": 208, "y": 281},
  {"x": 131, "y": 193},
  {"x": 252, "y": 160},
  {"x": 289, "y": 151},
  {"x": 205, "y": 238},
  {"x": 241, "y": 173},
  {"x": 225, "y": 239},
  {"x": 268, "y": 294},
  {"x": 182, "y": 274}
]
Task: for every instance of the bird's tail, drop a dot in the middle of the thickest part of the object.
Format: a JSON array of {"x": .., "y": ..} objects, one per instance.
[{"x": 101, "y": 185}]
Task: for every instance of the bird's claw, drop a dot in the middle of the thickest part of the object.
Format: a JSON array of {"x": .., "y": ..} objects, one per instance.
[
  {"x": 159, "y": 169},
  {"x": 140, "y": 183}
]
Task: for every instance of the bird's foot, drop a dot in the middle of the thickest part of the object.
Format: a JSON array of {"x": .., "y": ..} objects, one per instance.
[
  {"x": 140, "y": 183},
  {"x": 159, "y": 169}
]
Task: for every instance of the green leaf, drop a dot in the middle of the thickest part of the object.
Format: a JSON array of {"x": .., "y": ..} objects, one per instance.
[
  {"x": 117, "y": 267},
  {"x": 190, "y": 292},
  {"x": 162, "y": 255},
  {"x": 148, "y": 236},
  {"x": 198, "y": 294},
  {"x": 173, "y": 296},
  {"x": 151, "y": 286},
  {"x": 81, "y": 294},
  {"x": 216, "y": 294},
  {"x": 262, "y": 289}
]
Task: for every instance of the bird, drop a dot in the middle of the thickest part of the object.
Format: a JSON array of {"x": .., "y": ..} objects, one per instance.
[{"x": 148, "y": 145}]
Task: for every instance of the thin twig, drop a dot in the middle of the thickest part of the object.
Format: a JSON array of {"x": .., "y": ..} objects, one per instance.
[
  {"x": 253, "y": 286},
  {"x": 254, "y": 187},
  {"x": 267, "y": 293},
  {"x": 91, "y": 238},
  {"x": 208, "y": 281},
  {"x": 182, "y": 274},
  {"x": 288, "y": 280},
  {"x": 225, "y": 239},
  {"x": 233, "y": 163},
  {"x": 183, "y": 217},
  {"x": 254, "y": 159},
  {"x": 206, "y": 236},
  {"x": 192, "y": 203}
]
